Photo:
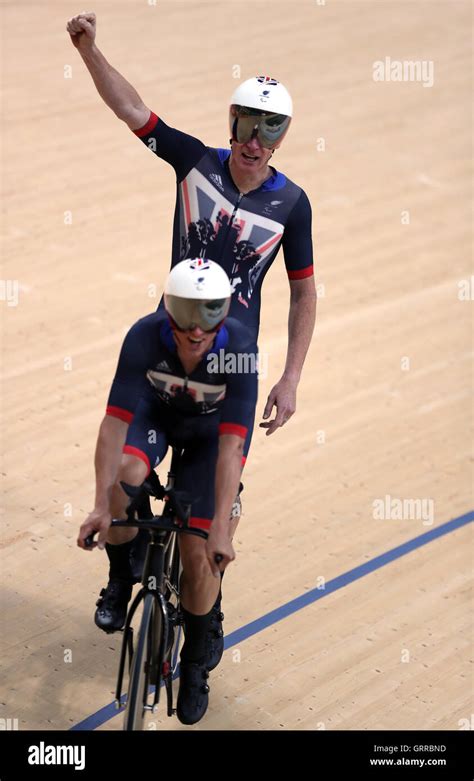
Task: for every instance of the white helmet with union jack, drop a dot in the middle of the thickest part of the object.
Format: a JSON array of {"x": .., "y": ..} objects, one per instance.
[
  {"x": 260, "y": 107},
  {"x": 197, "y": 293}
]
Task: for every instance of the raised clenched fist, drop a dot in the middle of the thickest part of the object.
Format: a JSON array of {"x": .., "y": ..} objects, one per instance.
[{"x": 81, "y": 28}]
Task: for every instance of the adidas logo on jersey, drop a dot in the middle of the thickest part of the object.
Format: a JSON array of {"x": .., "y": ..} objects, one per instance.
[
  {"x": 163, "y": 365},
  {"x": 217, "y": 179}
]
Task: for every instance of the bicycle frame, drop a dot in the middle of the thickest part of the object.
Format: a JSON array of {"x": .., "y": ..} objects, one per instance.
[{"x": 154, "y": 563}]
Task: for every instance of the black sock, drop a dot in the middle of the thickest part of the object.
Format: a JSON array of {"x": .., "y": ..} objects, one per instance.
[
  {"x": 119, "y": 558},
  {"x": 195, "y": 632}
]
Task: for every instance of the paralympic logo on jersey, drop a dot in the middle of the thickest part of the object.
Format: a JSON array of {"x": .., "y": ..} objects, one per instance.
[{"x": 223, "y": 362}]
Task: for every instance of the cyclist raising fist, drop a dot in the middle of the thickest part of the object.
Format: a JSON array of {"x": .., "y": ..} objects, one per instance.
[{"x": 82, "y": 28}]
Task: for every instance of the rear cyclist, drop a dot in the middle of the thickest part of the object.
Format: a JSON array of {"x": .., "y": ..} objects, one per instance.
[
  {"x": 185, "y": 378},
  {"x": 231, "y": 205}
]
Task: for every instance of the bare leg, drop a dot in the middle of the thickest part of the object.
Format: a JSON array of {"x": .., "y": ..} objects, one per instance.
[
  {"x": 199, "y": 588},
  {"x": 132, "y": 471}
]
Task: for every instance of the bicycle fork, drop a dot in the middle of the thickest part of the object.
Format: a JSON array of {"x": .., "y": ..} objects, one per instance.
[{"x": 156, "y": 667}]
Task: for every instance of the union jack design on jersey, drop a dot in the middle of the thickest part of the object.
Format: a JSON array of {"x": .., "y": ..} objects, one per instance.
[
  {"x": 202, "y": 396},
  {"x": 208, "y": 222}
]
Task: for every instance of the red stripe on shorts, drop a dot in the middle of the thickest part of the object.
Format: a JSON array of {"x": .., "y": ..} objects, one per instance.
[
  {"x": 121, "y": 414},
  {"x": 233, "y": 428},
  {"x": 135, "y": 451},
  {"x": 200, "y": 523}
]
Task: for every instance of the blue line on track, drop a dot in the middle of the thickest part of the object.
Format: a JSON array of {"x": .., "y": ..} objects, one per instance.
[{"x": 239, "y": 635}]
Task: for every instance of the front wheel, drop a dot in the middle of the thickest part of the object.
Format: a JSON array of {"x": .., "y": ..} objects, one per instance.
[{"x": 139, "y": 672}]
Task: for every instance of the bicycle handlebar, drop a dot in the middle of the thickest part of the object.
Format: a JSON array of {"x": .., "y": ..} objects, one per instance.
[
  {"x": 158, "y": 523},
  {"x": 153, "y": 487}
]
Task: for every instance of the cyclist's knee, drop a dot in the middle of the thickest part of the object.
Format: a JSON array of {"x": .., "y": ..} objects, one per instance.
[
  {"x": 133, "y": 470},
  {"x": 193, "y": 557}
]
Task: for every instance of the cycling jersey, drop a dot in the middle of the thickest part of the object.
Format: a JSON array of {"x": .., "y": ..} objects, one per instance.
[
  {"x": 164, "y": 405},
  {"x": 243, "y": 233}
]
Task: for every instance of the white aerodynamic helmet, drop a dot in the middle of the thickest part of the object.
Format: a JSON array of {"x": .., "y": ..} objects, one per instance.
[
  {"x": 197, "y": 293},
  {"x": 261, "y": 107}
]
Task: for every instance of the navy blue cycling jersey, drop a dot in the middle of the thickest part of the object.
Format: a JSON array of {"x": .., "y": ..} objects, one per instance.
[
  {"x": 218, "y": 396},
  {"x": 243, "y": 233},
  {"x": 164, "y": 405}
]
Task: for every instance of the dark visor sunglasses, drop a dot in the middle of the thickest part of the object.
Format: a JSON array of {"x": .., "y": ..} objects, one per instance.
[
  {"x": 187, "y": 314},
  {"x": 249, "y": 123}
]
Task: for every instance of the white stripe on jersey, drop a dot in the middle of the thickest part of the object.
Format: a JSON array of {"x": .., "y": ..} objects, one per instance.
[{"x": 200, "y": 391}]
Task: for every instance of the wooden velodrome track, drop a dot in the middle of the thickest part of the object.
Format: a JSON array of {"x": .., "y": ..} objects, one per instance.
[{"x": 87, "y": 230}]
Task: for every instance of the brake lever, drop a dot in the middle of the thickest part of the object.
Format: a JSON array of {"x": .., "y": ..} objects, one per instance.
[{"x": 89, "y": 540}]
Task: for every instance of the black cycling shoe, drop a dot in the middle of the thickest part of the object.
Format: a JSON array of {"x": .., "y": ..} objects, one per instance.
[
  {"x": 112, "y": 605},
  {"x": 193, "y": 695},
  {"x": 215, "y": 639}
]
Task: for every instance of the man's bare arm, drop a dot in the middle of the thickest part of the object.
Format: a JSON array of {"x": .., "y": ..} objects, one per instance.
[
  {"x": 108, "y": 456},
  {"x": 228, "y": 471},
  {"x": 114, "y": 90},
  {"x": 301, "y": 319}
]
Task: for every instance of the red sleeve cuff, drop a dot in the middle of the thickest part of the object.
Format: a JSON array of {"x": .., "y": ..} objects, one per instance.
[
  {"x": 233, "y": 428},
  {"x": 301, "y": 273},
  {"x": 146, "y": 129},
  {"x": 121, "y": 414}
]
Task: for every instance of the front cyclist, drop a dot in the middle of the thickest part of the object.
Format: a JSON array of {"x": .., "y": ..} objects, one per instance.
[{"x": 184, "y": 377}]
